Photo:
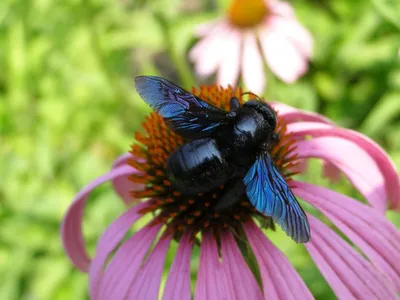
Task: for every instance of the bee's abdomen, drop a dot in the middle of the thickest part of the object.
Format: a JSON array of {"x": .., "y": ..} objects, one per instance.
[{"x": 198, "y": 167}]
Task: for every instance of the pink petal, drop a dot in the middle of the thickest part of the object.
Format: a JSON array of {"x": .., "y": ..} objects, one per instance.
[
  {"x": 242, "y": 280},
  {"x": 211, "y": 282},
  {"x": 292, "y": 115},
  {"x": 282, "y": 55},
  {"x": 109, "y": 241},
  {"x": 346, "y": 271},
  {"x": 252, "y": 64},
  {"x": 147, "y": 282},
  {"x": 122, "y": 185},
  {"x": 71, "y": 227},
  {"x": 207, "y": 53},
  {"x": 230, "y": 64},
  {"x": 353, "y": 161},
  {"x": 382, "y": 160},
  {"x": 369, "y": 231},
  {"x": 178, "y": 282},
  {"x": 122, "y": 270},
  {"x": 331, "y": 171},
  {"x": 282, "y": 108},
  {"x": 280, "y": 279}
]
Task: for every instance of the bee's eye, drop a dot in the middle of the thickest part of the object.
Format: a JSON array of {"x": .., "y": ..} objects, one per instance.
[{"x": 271, "y": 119}]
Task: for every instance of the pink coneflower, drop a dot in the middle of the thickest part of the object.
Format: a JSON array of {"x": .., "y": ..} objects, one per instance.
[
  {"x": 253, "y": 29},
  {"x": 131, "y": 267}
]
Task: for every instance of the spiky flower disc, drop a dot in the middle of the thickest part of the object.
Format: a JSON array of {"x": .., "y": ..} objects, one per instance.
[{"x": 181, "y": 213}]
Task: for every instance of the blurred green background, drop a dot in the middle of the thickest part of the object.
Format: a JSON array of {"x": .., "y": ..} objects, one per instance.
[{"x": 68, "y": 108}]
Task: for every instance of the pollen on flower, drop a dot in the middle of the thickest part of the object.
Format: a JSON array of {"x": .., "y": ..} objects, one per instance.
[
  {"x": 182, "y": 213},
  {"x": 247, "y": 13}
]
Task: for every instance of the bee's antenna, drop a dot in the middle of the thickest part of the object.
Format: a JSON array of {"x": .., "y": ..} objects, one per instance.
[{"x": 250, "y": 93}]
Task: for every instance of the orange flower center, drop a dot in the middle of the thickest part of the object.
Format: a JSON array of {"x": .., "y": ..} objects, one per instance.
[
  {"x": 196, "y": 213},
  {"x": 247, "y": 13}
]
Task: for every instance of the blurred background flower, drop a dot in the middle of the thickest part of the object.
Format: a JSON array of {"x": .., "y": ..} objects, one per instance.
[
  {"x": 68, "y": 108},
  {"x": 253, "y": 29}
]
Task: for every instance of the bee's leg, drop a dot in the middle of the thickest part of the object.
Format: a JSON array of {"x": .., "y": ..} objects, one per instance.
[
  {"x": 231, "y": 197},
  {"x": 234, "y": 103}
]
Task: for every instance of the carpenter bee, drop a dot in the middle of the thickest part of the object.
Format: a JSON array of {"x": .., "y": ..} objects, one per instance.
[{"x": 226, "y": 146}]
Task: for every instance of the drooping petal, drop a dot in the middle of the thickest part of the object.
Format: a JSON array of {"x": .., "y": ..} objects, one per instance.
[
  {"x": 371, "y": 232},
  {"x": 280, "y": 279},
  {"x": 178, "y": 282},
  {"x": 252, "y": 64},
  {"x": 382, "y": 160},
  {"x": 147, "y": 282},
  {"x": 229, "y": 67},
  {"x": 109, "y": 241},
  {"x": 207, "y": 53},
  {"x": 71, "y": 227},
  {"x": 242, "y": 281},
  {"x": 122, "y": 185},
  {"x": 123, "y": 268},
  {"x": 346, "y": 271},
  {"x": 211, "y": 281},
  {"x": 282, "y": 55},
  {"x": 353, "y": 161},
  {"x": 331, "y": 171}
]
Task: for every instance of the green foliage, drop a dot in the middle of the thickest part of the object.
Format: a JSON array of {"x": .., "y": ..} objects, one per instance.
[{"x": 68, "y": 108}]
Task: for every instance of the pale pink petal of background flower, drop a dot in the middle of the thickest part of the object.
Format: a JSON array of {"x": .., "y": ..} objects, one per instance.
[
  {"x": 252, "y": 64},
  {"x": 109, "y": 241},
  {"x": 242, "y": 281},
  {"x": 281, "y": 8},
  {"x": 382, "y": 160},
  {"x": 295, "y": 33},
  {"x": 370, "y": 232},
  {"x": 204, "y": 29},
  {"x": 283, "y": 57},
  {"x": 280, "y": 279},
  {"x": 353, "y": 161},
  {"x": 178, "y": 281},
  {"x": 71, "y": 227},
  {"x": 122, "y": 185},
  {"x": 211, "y": 282},
  {"x": 208, "y": 40},
  {"x": 121, "y": 271},
  {"x": 208, "y": 53},
  {"x": 229, "y": 66},
  {"x": 346, "y": 271},
  {"x": 147, "y": 282}
]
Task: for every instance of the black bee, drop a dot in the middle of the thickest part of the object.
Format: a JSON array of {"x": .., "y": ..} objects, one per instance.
[{"x": 226, "y": 146}]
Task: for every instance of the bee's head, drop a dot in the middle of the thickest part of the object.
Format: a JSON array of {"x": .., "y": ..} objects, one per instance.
[{"x": 265, "y": 110}]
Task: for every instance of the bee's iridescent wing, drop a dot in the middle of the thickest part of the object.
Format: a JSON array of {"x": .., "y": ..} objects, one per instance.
[
  {"x": 185, "y": 113},
  {"x": 269, "y": 193}
]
